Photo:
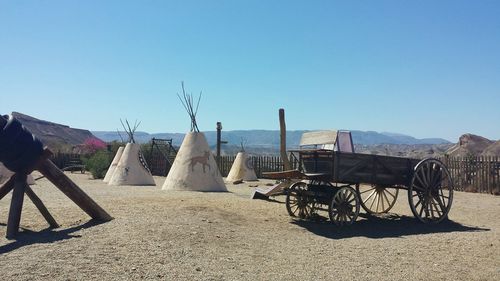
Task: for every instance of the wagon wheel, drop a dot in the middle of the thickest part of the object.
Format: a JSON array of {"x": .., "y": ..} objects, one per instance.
[
  {"x": 298, "y": 203},
  {"x": 377, "y": 199},
  {"x": 344, "y": 208},
  {"x": 430, "y": 193}
]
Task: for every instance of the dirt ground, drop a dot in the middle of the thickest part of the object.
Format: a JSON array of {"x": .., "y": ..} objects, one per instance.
[{"x": 159, "y": 235}]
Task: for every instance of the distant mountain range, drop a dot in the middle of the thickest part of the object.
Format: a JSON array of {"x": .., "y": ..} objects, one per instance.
[
  {"x": 63, "y": 138},
  {"x": 271, "y": 138}
]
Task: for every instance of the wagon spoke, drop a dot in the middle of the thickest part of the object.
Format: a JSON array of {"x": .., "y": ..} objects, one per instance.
[
  {"x": 368, "y": 190},
  {"x": 386, "y": 199},
  {"x": 441, "y": 203},
  {"x": 418, "y": 202},
  {"x": 393, "y": 195},
  {"x": 431, "y": 209},
  {"x": 376, "y": 197},
  {"x": 439, "y": 209},
  {"x": 369, "y": 196},
  {"x": 382, "y": 200},
  {"x": 422, "y": 205},
  {"x": 421, "y": 178}
]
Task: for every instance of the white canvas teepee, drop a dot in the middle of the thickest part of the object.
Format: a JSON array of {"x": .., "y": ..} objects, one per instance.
[
  {"x": 113, "y": 165},
  {"x": 131, "y": 168},
  {"x": 194, "y": 167},
  {"x": 242, "y": 169},
  {"x": 6, "y": 174}
]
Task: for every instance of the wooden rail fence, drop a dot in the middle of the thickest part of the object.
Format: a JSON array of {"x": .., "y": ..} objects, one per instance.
[
  {"x": 475, "y": 174},
  {"x": 472, "y": 174}
]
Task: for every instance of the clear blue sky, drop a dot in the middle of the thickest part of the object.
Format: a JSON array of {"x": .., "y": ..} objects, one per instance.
[{"x": 423, "y": 68}]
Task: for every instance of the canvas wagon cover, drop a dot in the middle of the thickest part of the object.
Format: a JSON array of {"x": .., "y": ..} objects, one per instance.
[{"x": 318, "y": 138}]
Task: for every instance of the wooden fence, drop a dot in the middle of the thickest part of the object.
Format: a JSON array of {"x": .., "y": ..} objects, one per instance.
[
  {"x": 261, "y": 164},
  {"x": 472, "y": 174},
  {"x": 475, "y": 174}
]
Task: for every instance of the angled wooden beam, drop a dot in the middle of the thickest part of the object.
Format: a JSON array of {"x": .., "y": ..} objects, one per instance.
[
  {"x": 6, "y": 187},
  {"x": 70, "y": 189},
  {"x": 16, "y": 205},
  {"x": 40, "y": 206}
]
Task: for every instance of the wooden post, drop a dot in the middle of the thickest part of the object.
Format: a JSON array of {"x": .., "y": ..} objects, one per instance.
[
  {"x": 284, "y": 157},
  {"x": 16, "y": 205},
  {"x": 219, "y": 129},
  {"x": 40, "y": 206},
  {"x": 68, "y": 187}
]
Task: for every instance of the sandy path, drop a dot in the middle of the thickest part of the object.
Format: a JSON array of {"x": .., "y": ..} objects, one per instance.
[{"x": 227, "y": 236}]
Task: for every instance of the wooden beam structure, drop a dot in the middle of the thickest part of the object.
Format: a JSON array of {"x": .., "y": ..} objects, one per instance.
[{"x": 16, "y": 137}]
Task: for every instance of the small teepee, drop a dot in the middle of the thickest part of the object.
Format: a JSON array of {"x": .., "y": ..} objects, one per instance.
[
  {"x": 242, "y": 168},
  {"x": 6, "y": 174},
  {"x": 131, "y": 168},
  {"x": 113, "y": 165},
  {"x": 194, "y": 167}
]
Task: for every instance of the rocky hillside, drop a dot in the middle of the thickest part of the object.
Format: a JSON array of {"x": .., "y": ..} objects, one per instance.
[
  {"x": 470, "y": 144},
  {"x": 53, "y": 135},
  {"x": 492, "y": 150}
]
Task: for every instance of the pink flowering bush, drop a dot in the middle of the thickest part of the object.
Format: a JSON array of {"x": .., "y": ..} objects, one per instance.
[{"x": 92, "y": 145}]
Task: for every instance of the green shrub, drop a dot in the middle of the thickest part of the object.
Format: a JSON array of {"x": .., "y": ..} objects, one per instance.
[{"x": 98, "y": 164}]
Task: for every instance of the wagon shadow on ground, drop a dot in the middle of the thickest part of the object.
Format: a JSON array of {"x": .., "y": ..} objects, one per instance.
[
  {"x": 387, "y": 226},
  {"x": 49, "y": 235}
]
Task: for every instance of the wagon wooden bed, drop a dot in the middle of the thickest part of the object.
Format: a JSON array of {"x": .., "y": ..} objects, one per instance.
[{"x": 334, "y": 179}]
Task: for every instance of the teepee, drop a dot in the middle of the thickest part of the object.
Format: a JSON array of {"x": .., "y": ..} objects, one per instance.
[
  {"x": 194, "y": 167},
  {"x": 6, "y": 174},
  {"x": 242, "y": 168},
  {"x": 131, "y": 168},
  {"x": 113, "y": 165}
]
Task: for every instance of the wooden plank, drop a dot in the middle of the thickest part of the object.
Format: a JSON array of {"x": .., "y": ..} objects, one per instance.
[
  {"x": 70, "y": 189},
  {"x": 16, "y": 206},
  {"x": 283, "y": 175},
  {"x": 41, "y": 207}
]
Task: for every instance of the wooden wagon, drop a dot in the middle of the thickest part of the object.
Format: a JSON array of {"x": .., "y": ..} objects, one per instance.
[{"x": 332, "y": 178}]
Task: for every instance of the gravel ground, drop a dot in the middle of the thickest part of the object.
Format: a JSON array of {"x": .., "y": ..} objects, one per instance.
[{"x": 159, "y": 235}]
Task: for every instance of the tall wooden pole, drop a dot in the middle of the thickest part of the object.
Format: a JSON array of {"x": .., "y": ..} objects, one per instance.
[
  {"x": 219, "y": 129},
  {"x": 284, "y": 157}
]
